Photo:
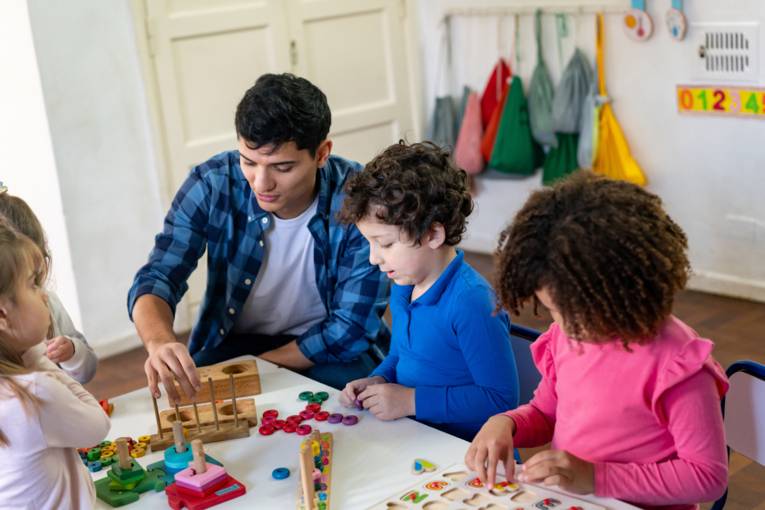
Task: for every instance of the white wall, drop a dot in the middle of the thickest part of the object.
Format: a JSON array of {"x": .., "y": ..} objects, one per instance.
[
  {"x": 27, "y": 164},
  {"x": 708, "y": 170},
  {"x": 102, "y": 142}
]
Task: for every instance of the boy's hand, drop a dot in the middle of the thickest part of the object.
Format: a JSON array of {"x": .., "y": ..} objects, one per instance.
[
  {"x": 350, "y": 393},
  {"x": 60, "y": 349},
  {"x": 556, "y": 467},
  {"x": 492, "y": 444},
  {"x": 388, "y": 401}
]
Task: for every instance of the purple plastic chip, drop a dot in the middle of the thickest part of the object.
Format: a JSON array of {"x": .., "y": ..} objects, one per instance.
[
  {"x": 335, "y": 418},
  {"x": 351, "y": 419}
]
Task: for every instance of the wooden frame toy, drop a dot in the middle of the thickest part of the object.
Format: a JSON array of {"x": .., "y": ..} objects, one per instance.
[
  {"x": 315, "y": 471},
  {"x": 245, "y": 376},
  {"x": 218, "y": 430}
]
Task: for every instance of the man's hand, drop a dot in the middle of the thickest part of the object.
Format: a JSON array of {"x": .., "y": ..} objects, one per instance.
[
  {"x": 556, "y": 467},
  {"x": 60, "y": 349},
  {"x": 493, "y": 444},
  {"x": 388, "y": 401},
  {"x": 350, "y": 393},
  {"x": 167, "y": 362}
]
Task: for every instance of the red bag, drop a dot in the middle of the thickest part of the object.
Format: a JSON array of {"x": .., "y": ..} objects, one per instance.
[
  {"x": 487, "y": 144},
  {"x": 494, "y": 90}
]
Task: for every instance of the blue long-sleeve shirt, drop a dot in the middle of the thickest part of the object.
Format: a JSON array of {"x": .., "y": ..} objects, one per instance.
[{"x": 450, "y": 346}]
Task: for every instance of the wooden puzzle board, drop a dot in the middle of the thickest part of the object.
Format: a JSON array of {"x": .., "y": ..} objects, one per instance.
[
  {"x": 456, "y": 487},
  {"x": 245, "y": 409}
]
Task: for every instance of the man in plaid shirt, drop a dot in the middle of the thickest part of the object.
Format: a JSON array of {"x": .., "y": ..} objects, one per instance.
[{"x": 285, "y": 280}]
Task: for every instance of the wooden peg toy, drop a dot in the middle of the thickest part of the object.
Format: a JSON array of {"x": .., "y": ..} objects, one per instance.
[
  {"x": 244, "y": 373},
  {"x": 126, "y": 480},
  {"x": 202, "y": 485},
  {"x": 315, "y": 471}
]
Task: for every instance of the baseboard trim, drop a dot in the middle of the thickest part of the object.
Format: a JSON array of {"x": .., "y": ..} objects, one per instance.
[{"x": 727, "y": 285}]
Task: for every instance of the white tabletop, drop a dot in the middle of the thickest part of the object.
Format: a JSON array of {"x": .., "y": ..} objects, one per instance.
[{"x": 371, "y": 460}]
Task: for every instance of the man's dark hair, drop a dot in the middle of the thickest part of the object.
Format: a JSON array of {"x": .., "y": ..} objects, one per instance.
[
  {"x": 413, "y": 187},
  {"x": 283, "y": 108}
]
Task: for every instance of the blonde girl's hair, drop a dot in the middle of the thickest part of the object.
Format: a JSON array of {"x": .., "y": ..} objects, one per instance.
[
  {"x": 18, "y": 254},
  {"x": 21, "y": 217}
]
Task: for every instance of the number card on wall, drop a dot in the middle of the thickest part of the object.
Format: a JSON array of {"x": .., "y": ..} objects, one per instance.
[{"x": 714, "y": 100}]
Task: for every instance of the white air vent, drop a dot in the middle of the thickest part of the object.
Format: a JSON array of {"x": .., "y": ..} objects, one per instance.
[{"x": 726, "y": 51}]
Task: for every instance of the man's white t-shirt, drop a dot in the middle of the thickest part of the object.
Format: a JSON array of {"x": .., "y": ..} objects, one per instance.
[{"x": 284, "y": 299}]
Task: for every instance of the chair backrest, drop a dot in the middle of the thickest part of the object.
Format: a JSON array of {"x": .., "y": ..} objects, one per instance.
[
  {"x": 745, "y": 410},
  {"x": 528, "y": 375},
  {"x": 744, "y": 414}
]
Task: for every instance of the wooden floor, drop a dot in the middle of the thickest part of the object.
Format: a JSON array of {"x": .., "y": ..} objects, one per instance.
[{"x": 737, "y": 327}]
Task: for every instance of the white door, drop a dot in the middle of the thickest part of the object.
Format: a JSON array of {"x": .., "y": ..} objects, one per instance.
[
  {"x": 354, "y": 51},
  {"x": 206, "y": 54}
]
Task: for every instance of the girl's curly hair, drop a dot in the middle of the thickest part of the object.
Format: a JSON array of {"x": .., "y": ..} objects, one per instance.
[
  {"x": 412, "y": 186},
  {"x": 606, "y": 251}
]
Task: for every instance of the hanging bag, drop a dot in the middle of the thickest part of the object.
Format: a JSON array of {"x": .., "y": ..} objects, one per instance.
[
  {"x": 442, "y": 130},
  {"x": 515, "y": 151},
  {"x": 467, "y": 153},
  {"x": 575, "y": 83},
  {"x": 612, "y": 156},
  {"x": 541, "y": 93}
]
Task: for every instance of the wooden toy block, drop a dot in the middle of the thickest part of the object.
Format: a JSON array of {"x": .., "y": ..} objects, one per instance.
[
  {"x": 202, "y": 485},
  {"x": 208, "y": 434},
  {"x": 126, "y": 480},
  {"x": 315, "y": 471},
  {"x": 229, "y": 489},
  {"x": 245, "y": 410},
  {"x": 246, "y": 380}
]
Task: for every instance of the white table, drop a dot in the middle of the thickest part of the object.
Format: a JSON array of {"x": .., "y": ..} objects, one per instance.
[{"x": 372, "y": 460}]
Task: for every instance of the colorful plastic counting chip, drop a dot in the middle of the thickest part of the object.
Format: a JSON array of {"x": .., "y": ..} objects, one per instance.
[
  {"x": 306, "y": 414},
  {"x": 321, "y": 416},
  {"x": 266, "y": 430},
  {"x": 94, "y": 466},
  {"x": 270, "y": 413},
  {"x": 322, "y": 395},
  {"x": 306, "y": 395},
  {"x": 314, "y": 408},
  {"x": 279, "y": 424},
  {"x": 280, "y": 473},
  {"x": 335, "y": 418},
  {"x": 350, "y": 419},
  {"x": 289, "y": 428},
  {"x": 303, "y": 430}
]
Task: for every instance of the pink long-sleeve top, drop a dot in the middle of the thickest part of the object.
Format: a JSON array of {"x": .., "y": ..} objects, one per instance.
[{"x": 648, "y": 418}]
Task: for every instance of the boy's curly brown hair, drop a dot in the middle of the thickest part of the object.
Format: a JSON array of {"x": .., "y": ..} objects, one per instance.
[
  {"x": 413, "y": 187},
  {"x": 606, "y": 251}
]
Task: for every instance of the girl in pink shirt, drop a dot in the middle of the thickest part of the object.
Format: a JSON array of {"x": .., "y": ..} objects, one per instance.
[
  {"x": 44, "y": 414},
  {"x": 630, "y": 395}
]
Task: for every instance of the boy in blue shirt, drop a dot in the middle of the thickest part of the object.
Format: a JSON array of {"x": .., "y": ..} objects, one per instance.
[{"x": 450, "y": 363}]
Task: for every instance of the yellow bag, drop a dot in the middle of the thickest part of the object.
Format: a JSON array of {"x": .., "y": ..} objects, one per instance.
[{"x": 612, "y": 155}]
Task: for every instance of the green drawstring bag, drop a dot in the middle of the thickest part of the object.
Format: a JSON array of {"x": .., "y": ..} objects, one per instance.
[
  {"x": 561, "y": 160},
  {"x": 515, "y": 151},
  {"x": 575, "y": 83},
  {"x": 541, "y": 94}
]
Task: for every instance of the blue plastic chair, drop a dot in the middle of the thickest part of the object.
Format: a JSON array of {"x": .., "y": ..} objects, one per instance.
[
  {"x": 744, "y": 414},
  {"x": 528, "y": 375}
]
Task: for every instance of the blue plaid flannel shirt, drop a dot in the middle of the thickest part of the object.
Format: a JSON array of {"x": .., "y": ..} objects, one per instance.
[{"x": 216, "y": 209}]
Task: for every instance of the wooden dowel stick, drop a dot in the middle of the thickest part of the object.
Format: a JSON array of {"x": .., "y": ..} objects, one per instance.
[
  {"x": 180, "y": 441},
  {"x": 156, "y": 415},
  {"x": 233, "y": 400},
  {"x": 196, "y": 417},
  {"x": 212, "y": 403},
  {"x": 123, "y": 454},
  {"x": 177, "y": 413},
  {"x": 199, "y": 463},
  {"x": 306, "y": 475}
]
